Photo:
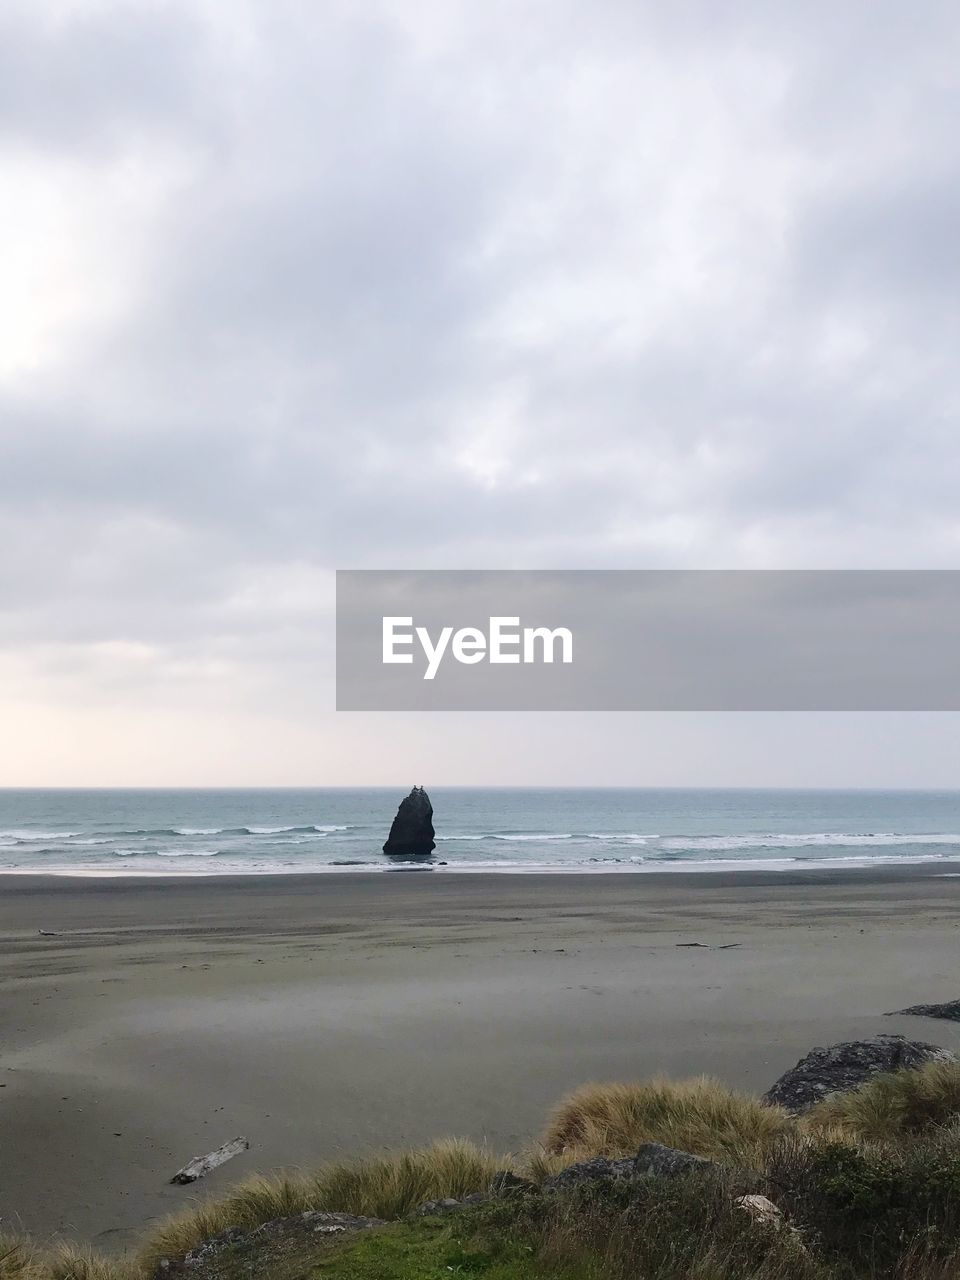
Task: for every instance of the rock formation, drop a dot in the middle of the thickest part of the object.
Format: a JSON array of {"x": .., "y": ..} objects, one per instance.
[
  {"x": 950, "y": 1011},
  {"x": 411, "y": 835},
  {"x": 653, "y": 1160},
  {"x": 847, "y": 1066}
]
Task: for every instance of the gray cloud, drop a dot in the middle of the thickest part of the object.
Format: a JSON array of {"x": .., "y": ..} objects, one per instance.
[
  {"x": 449, "y": 285},
  {"x": 83, "y": 79}
]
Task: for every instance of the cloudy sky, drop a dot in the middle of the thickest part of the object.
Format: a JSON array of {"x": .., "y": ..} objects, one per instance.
[{"x": 291, "y": 286}]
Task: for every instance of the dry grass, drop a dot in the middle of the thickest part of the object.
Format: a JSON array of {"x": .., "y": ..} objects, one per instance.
[
  {"x": 390, "y": 1186},
  {"x": 18, "y": 1259},
  {"x": 892, "y": 1105},
  {"x": 541, "y": 1163},
  {"x": 70, "y": 1263},
  {"x": 870, "y": 1177},
  {"x": 699, "y": 1115},
  {"x": 384, "y": 1186}
]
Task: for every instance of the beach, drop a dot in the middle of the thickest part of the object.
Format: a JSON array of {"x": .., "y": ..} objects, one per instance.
[{"x": 146, "y": 1021}]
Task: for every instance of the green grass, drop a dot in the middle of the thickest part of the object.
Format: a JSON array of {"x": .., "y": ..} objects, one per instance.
[
  {"x": 850, "y": 1215},
  {"x": 700, "y": 1115},
  {"x": 868, "y": 1183},
  {"x": 436, "y": 1249},
  {"x": 880, "y": 1209},
  {"x": 384, "y": 1186},
  {"x": 687, "y": 1228},
  {"x": 900, "y": 1102}
]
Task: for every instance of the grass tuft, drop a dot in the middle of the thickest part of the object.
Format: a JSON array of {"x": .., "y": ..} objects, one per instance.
[
  {"x": 391, "y": 1185},
  {"x": 383, "y": 1186},
  {"x": 896, "y": 1103},
  {"x": 18, "y": 1259},
  {"x": 701, "y": 1116},
  {"x": 664, "y": 1229},
  {"x": 68, "y": 1262}
]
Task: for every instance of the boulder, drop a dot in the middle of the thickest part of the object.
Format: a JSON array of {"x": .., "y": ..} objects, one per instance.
[
  {"x": 651, "y": 1161},
  {"x": 950, "y": 1011},
  {"x": 411, "y": 835},
  {"x": 584, "y": 1172},
  {"x": 848, "y": 1065}
]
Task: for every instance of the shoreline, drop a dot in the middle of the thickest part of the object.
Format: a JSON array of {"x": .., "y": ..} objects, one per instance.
[
  {"x": 726, "y": 873},
  {"x": 723, "y": 871},
  {"x": 149, "y": 1020}
]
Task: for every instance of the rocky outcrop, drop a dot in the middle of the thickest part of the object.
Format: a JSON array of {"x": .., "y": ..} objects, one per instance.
[
  {"x": 411, "y": 835},
  {"x": 259, "y": 1247},
  {"x": 656, "y": 1161},
  {"x": 651, "y": 1161},
  {"x": 436, "y": 1208},
  {"x": 847, "y": 1066},
  {"x": 950, "y": 1011},
  {"x": 763, "y": 1211},
  {"x": 584, "y": 1172}
]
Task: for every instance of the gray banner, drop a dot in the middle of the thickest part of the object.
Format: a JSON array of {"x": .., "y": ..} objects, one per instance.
[{"x": 648, "y": 640}]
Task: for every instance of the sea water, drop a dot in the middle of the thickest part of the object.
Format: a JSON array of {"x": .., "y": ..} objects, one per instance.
[{"x": 129, "y": 832}]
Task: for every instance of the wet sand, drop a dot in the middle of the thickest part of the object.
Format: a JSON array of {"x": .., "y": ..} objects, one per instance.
[{"x": 323, "y": 1016}]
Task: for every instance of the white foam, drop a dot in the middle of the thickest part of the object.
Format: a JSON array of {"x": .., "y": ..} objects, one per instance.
[
  {"x": 621, "y": 837},
  {"x": 23, "y": 836},
  {"x": 808, "y": 839},
  {"x": 271, "y": 831},
  {"x": 633, "y": 866},
  {"x": 521, "y": 839},
  {"x": 186, "y": 853}
]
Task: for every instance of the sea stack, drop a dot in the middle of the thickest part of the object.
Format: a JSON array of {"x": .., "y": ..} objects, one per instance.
[{"x": 411, "y": 835}]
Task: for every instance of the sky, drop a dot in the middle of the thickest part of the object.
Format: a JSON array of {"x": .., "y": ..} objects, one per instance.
[{"x": 287, "y": 287}]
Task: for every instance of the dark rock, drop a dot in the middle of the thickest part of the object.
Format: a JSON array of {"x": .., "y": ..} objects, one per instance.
[
  {"x": 651, "y": 1161},
  {"x": 320, "y": 1223},
  {"x": 847, "y": 1066},
  {"x": 209, "y": 1248},
  {"x": 950, "y": 1011},
  {"x": 656, "y": 1161},
  {"x": 584, "y": 1172},
  {"x": 205, "y": 1255},
  {"x": 411, "y": 835},
  {"x": 505, "y": 1183},
  {"x": 430, "y": 1208}
]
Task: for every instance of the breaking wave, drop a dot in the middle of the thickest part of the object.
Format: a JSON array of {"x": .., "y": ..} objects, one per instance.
[{"x": 806, "y": 840}]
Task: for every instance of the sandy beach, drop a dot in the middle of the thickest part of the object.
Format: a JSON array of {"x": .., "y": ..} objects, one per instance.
[{"x": 323, "y": 1016}]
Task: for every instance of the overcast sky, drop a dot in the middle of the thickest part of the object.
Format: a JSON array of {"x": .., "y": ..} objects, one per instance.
[{"x": 286, "y": 287}]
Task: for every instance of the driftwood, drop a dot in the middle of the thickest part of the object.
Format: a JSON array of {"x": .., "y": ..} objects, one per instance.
[
  {"x": 709, "y": 946},
  {"x": 201, "y": 1165}
]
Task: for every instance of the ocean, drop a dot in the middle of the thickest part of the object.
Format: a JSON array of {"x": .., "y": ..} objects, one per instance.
[{"x": 163, "y": 832}]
